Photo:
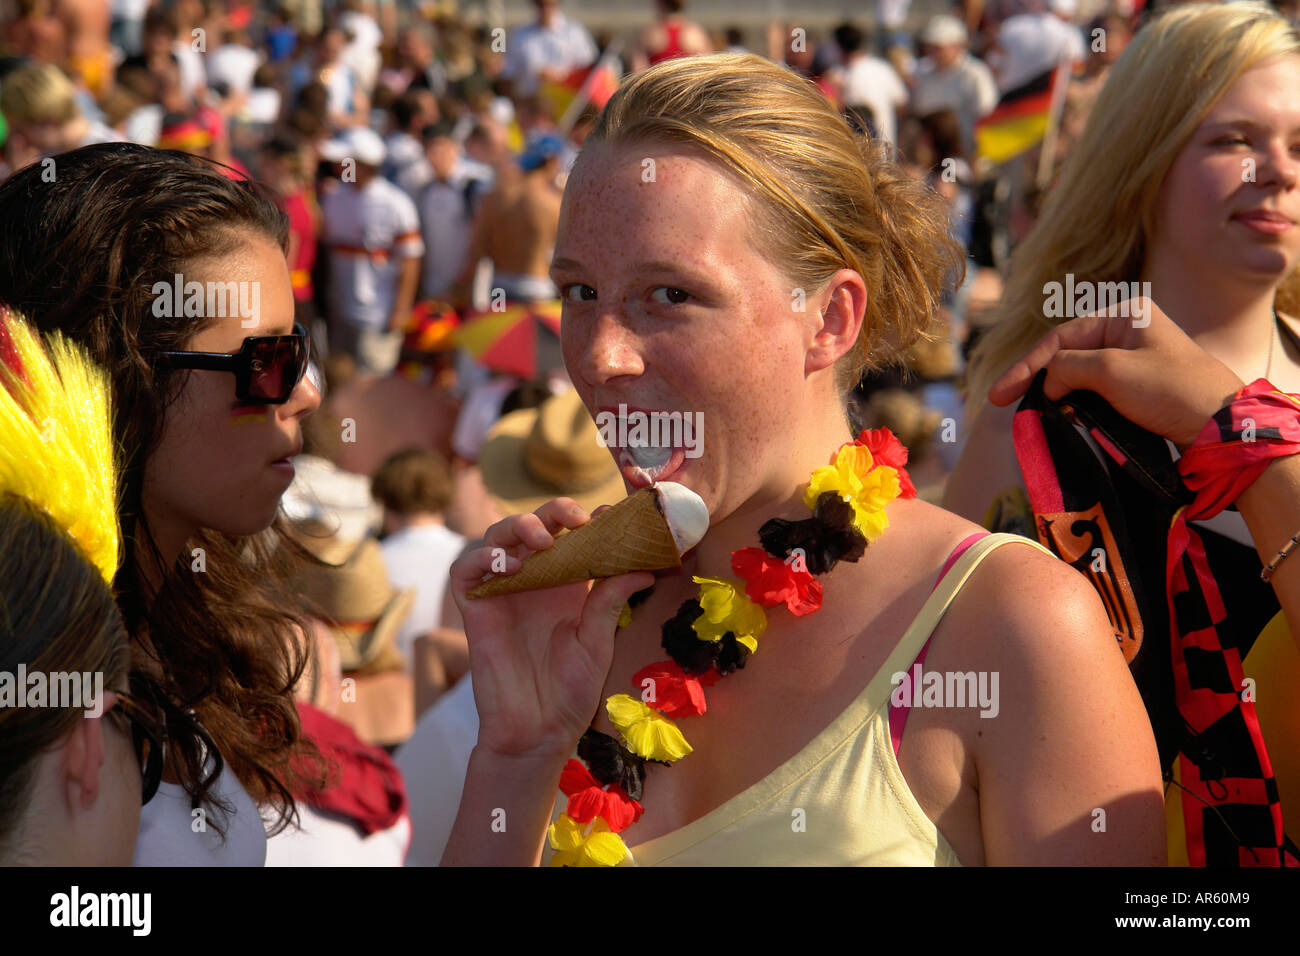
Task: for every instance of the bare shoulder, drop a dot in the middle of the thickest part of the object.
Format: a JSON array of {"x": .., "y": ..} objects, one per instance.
[
  {"x": 1021, "y": 608},
  {"x": 1060, "y": 731},
  {"x": 1024, "y": 602}
]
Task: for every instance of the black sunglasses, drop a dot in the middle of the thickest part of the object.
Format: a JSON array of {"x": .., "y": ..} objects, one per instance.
[
  {"x": 267, "y": 367},
  {"x": 149, "y": 734}
]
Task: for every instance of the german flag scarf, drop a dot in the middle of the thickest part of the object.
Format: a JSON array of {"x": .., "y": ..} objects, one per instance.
[{"x": 1230, "y": 808}]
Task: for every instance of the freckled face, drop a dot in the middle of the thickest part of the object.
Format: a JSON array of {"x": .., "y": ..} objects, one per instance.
[
  {"x": 669, "y": 306},
  {"x": 213, "y": 468},
  {"x": 1211, "y": 211}
]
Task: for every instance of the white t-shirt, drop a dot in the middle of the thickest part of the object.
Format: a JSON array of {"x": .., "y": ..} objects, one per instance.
[
  {"x": 371, "y": 230},
  {"x": 364, "y": 31},
  {"x": 327, "y": 839},
  {"x": 872, "y": 82},
  {"x": 362, "y": 53},
  {"x": 433, "y": 764},
  {"x": 262, "y": 105},
  {"x": 478, "y": 413},
  {"x": 1030, "y": 44},
  {"x": 144, "y": 124},
  {"x": 967, "y": 87},
  {"x": 564, "y": 45},
  {"x": 129, "y": 9},
  {"x": 892, "y": 14},
  {"x": 234, "y": 65},
  {"x": 171, "y": 834},
  {"x": 190, "y": 63},
  {"x": 404, "y": 151},
  {"x": 447, "y": 225},
  {"x": 420, "y": 557}
]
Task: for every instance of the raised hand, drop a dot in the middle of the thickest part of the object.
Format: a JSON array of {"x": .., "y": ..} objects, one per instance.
[{"x": 1141, "y": 362}]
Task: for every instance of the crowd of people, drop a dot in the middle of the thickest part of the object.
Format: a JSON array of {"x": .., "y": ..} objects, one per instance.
[{"x": 271, "y": 572}]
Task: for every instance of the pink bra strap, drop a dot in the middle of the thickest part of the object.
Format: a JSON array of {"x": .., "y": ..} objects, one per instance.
[{"x": 898, "y": 712}]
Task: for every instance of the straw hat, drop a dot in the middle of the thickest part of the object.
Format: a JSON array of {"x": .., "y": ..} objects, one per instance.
[
  {"x": 536, "y": 454},
  {"x": 356, "y": 598}
]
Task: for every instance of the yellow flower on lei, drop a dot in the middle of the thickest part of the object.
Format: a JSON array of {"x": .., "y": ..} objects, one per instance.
[
  {"x": 727, "y": 608},
  {"x": 868, "y": 489},
  {"x": 581, "y": 844},
  {"x": 646, "y": 732}
]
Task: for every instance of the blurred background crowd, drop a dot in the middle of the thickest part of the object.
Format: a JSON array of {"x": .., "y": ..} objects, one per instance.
[{"x": 420, "y": 152}]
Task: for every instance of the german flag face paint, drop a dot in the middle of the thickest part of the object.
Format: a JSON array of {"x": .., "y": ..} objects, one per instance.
[{"x": 242, "y": 414}]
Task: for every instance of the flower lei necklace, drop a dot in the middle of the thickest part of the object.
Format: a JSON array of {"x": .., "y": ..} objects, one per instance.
[{"x": 713, "y": 635}]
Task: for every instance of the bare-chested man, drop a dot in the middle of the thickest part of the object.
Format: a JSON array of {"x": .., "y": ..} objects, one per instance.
[{"x": 516, "y": 227}]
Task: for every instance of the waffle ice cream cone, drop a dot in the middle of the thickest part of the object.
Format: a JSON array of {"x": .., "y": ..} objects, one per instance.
[{"x": 633, "y": 535}]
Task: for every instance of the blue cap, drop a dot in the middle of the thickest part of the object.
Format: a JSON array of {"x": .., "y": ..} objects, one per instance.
[{"x": 539, "y": 150}]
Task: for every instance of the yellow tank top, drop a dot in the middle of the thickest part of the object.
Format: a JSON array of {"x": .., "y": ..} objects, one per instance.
[{"x": 840, "y": 801}]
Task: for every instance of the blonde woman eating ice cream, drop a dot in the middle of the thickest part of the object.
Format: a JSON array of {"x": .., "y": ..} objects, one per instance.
[{"x": 728, "y": 247}]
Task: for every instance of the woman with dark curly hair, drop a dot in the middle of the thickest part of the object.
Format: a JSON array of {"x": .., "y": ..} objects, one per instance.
[{"x": 172, "y": 277}]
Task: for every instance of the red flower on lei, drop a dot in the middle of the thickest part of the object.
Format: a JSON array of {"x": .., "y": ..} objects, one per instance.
[
  {"x": 887, "y": 450},
  {"x": 769, "y": 581},
  {"x": 588, "y": 799},
  {"x": 676, "y": 693}
]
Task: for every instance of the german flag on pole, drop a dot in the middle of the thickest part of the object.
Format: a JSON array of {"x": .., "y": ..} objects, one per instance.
[
  {"x": 593, "y": 84},
  {"x": 1022, "y": 117}
]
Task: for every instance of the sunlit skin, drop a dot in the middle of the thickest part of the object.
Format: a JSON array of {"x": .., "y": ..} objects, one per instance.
[
  {"x": 669, "y": 305},
  {"x": 214, "y": 467}
]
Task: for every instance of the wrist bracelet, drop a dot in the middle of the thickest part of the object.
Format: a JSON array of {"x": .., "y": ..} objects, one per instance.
[{"x": 1266, "y": 574}]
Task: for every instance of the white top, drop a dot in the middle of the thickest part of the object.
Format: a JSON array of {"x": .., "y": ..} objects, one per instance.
[
  {"x": 420, "y": 557},
  {"x": 262, "y": 105},
  {"x": 872, "y": 82},
  {"x": 565, "y": 45},
  {"x": 171, "y": 834},
  {"x": 380, "y": 219},
  {"x": 402, "y": 150},
  {"x": 364, "y": 31},
  {"x": 967, "y": 87},
  {"x": 1030, "y": 44},
  {"x": 190, "y": 63},
  {"x": 433, "y": 764},
  {"x": 144, "y": 124},
  {"x": 478, "y": 413},
  {"x": 327, "y": 839},
  {"x": 234, "y": 65},
  {"x": 129, "y": 9},
  {"x": 892, "y": 14},
  {"x": 447, "y": 226},
  {"x": 362, "y": 53}
]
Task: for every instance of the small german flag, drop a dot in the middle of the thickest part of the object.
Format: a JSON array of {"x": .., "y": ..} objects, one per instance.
[
  {"x": 599, "y": 80},
  {"x": 1020, "y": 120}
]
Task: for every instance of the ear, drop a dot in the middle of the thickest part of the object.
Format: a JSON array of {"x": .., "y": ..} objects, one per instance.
[
  {"x": 841, "y": 307},
  {"x": 83, "y": 758}
]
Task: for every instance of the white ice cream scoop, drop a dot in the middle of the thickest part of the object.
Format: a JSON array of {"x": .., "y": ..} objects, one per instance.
[{"x": 688, "y": 518}]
